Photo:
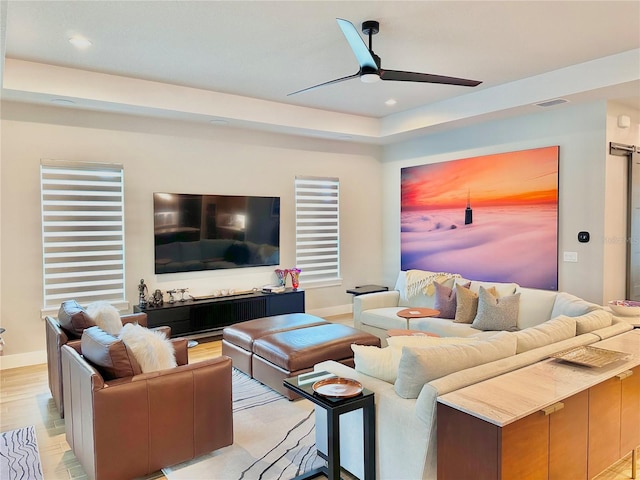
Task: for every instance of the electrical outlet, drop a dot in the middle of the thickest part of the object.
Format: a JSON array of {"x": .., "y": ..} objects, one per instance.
[{"x": 570, "y": 256}]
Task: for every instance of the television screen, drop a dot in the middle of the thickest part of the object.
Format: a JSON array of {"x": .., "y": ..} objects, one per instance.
[{"x": 209, "y": 232}]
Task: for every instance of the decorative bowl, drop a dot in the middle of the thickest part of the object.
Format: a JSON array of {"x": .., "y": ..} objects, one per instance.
[{"x": 625, "y": 308}]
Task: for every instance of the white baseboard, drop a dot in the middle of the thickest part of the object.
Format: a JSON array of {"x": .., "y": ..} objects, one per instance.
[
  {"x": 23, "y": 359},
  {"x": 331, "y": 311}
]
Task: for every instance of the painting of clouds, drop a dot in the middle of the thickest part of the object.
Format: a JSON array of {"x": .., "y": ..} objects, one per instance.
[{"x": 492, "y": 218}]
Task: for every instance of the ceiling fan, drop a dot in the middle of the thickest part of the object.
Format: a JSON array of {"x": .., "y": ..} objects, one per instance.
[{"x": 370, "y": 66}]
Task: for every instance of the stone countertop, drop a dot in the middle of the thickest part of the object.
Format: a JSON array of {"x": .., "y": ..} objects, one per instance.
[{"x": 507, "y": 398}]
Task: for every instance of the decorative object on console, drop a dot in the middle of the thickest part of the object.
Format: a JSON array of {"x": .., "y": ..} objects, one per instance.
[
  {"x": 282, "y": 276},
  {"x": 143, "y": 291},
  {"x": 182, "y": 291},
  {"x": 295, "y": 277},
  {"x": 514, "y": 197},
  {"x": 171, "y": 299},
  {"x": 156, "y": 300}
]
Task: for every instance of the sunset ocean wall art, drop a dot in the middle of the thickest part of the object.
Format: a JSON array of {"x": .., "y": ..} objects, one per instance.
[{"x": 492, "y": 218}]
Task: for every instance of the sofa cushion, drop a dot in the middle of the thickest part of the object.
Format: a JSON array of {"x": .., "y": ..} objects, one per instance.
[
  {"x": 105, "y": 316},
  {"x": 535, "y": 306},
  {"x": 551, "y": 331},
  {"x": 151, "y": 348},
  {"x": 571, "y": 306},
  {"x": 420, "y": 365},
  {"x": 385, "y": 318},
  {"x": 593, "y": 320},
  {"x": 108, "y": 354},
  {"x": 496, "y": 313},
  {"x": 73, "y": 319},
  {"x": 382, "y": 363}
]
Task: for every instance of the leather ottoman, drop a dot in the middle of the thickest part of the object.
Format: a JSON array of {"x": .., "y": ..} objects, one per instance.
[
  {"x": 238, "y": 339},
  {"x": 289, "y": 353}
]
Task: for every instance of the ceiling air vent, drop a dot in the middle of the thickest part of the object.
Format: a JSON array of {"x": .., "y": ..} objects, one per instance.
[{"x": 552, "y": 103}]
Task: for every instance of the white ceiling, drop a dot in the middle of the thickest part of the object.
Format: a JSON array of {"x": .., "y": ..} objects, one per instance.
[{"x": 237, "y": 60}]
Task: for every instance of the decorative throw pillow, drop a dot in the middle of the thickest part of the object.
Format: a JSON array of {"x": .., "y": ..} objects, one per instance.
[
  {"x": 592, "y": 321},
  {"x": 377, "y": 362},
  {"x": 546, "y": 333},
  {"x": 73, "y": 319},
  {"x": 467, "y": 303},
  {"x": 108, "y": 354},
  {"x": 420, "y": 365},
  {"x": 382, "y": 363},
  {"x": 105, "y": 316},
  {"x": 445, "y": 300},
  {"x": 151, "y": 348},
  {"x": 496, "y": 313}
]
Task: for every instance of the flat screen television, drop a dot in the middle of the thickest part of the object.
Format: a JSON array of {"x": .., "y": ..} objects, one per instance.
[{"x": 208, "y": 232}]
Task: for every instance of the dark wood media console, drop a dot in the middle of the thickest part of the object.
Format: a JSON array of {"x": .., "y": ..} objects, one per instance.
[{"x": 213, "y": 314}]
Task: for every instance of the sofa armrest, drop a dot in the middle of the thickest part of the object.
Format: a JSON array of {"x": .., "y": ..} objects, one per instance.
[
  {"x": 181, "y": 347},
  {"x": 164, "y": 329},
  {"x": 139, "y": 318},
  {"x": 374, "y": 300},
  {"x": 618, "y": 326}
]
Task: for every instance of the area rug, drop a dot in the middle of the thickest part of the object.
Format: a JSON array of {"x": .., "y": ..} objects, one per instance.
[
  {"x": 19, "y": 457},
  {"x": 273, "y": 439}
]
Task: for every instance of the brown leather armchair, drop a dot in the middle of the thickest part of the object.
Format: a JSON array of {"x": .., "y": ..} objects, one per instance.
[
  {"x": 56, "y": 337},
  {"x": 134, "y": 426}
]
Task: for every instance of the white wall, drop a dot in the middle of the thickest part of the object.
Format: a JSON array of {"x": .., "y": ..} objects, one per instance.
[
  {"x": 162, "y": 155},
  {"x": 580, "y": 131}
]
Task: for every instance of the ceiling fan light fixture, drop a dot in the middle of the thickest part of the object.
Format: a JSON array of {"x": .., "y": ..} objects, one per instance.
[{"x": 369, "y": 78}]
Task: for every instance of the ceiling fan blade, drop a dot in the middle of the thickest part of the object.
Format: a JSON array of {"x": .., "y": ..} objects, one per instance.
[
  {"x": 359, "y": 48},
  {"x": 337, "y": 80},
  {"x": 401, "y": 76}
]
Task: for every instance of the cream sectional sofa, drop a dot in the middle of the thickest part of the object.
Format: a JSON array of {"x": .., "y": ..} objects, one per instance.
[
  {"x": 378, "y": 312},
  {"x": 406, "y": 430}
]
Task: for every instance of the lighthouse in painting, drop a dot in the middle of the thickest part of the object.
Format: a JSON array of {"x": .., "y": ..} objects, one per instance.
[{"x": 468, "y": 213}]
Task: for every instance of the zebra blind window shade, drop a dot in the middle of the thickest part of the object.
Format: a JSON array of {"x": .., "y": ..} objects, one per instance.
[
  {"x": 317, "y": 228},
  {"x": 82, "y": 233}
]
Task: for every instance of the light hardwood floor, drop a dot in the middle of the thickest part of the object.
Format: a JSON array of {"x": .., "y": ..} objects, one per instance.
[{"x": 25, "y": 400}]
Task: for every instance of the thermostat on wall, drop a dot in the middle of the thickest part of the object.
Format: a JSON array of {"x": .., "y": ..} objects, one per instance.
[{"x": 583, "y": 237}]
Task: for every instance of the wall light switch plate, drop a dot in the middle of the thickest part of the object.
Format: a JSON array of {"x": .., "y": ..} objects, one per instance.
[{"x": 570, "y": 256}]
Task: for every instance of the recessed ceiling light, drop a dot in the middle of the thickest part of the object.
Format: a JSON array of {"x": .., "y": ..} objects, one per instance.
[
  {"x": 391, "y": 102},
  {"x": 79, "y": 42},
  {"x": 218, "y": 121},
  {"x": 62, "y": 101}
]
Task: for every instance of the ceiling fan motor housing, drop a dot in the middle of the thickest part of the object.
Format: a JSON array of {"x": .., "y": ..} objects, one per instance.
[{"x": 370, "y": 27}]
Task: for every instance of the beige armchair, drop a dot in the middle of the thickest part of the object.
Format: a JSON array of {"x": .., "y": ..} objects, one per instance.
[{"x": 134, "y": 426}]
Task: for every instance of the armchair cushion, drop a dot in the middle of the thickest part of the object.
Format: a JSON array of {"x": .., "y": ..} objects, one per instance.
[
  {"x": 74, "y": 319},
  {"x": 152, "y": 349},
  {"x": 105, "y": 316},
  {"x": 108, "y": 354}
]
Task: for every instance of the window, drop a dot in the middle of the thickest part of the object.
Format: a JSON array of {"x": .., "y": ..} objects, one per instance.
[
  {"x": 82, "y": 233},
  {"x": 317, "y": 229}
]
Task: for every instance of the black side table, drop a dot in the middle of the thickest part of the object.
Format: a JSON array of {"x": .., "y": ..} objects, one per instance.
[
  {"x": 362, "y": 289},
  {"x": 303, "y": 386}
]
